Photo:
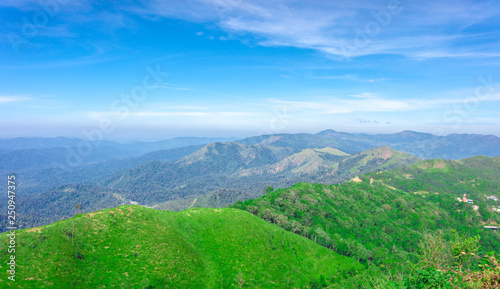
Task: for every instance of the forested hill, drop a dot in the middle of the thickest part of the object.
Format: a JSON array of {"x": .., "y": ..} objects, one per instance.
[
  {"x": 137, "y": 247},
  {"x": 478, "y": 177},
  {"x": 381, "y": 217},
  {"x": 248, "y": 169}
]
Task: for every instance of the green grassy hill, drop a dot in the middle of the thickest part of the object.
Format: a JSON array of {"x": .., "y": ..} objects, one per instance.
[{"x": 137, "y": 247}]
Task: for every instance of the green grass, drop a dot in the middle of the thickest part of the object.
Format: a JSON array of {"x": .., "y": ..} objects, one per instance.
[{"x": 137, "y": 247}]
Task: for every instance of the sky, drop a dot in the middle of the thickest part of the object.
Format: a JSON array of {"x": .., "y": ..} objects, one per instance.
[{"x": 156, "y": 69}]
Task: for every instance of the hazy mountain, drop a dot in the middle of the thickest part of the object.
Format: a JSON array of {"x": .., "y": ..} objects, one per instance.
[
  {"x": 178, "y": 142},
  {"x": 41, "y": 174},
  {"x": 306, "y": 141},
  {"x": 425, "y": 145},
  {"x": 232, "y": 157},
  {"x": 24, "y": 143}
]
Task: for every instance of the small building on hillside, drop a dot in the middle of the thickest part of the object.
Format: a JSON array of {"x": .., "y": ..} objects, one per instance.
[
  {"x": 495, "y": 228},
  {"x": 492, "y": 198}
]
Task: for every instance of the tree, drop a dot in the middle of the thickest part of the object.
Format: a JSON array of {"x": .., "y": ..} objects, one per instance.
[
  {"x": 268, "y": 190},
  {"x": 78, "y": 207}
]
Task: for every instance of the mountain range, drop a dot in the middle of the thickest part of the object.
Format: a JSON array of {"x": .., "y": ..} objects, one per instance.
[
  {"x": 215, "y": 174},
  {"x": 306, "y": 211}
]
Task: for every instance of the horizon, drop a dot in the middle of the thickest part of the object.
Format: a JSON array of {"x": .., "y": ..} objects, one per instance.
[
  {"x": 234, "y": 138},
  {"x": 232, "y": 69}
]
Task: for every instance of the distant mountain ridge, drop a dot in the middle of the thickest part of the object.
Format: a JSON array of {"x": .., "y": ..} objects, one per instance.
[
  {"x": 425, "y": 145},
  {"x": 137, "y": 147}
]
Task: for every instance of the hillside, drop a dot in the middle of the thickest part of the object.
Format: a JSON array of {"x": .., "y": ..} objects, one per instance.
[
  {"x": 329, "y": 165},
  {"x": 375, "y": 159},
  {"x": 231, "y": 157},
  {"x": 381, "y": 216},
  {"x": 137, "y": 247},
  {"x": 477, "y": 177}
]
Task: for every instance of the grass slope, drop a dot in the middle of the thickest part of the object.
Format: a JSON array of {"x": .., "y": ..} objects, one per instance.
[{"x": 137, "y": 247}]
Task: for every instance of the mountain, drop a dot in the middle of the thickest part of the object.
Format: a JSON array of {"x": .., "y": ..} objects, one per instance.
[
  {"x": 137, "y": 247},
  {"x": 135, "y": 147},
  {"x": 24, "y": 143},
  {"x": 168, "y": 155},
  {"x": 375, "y": 159},
  {"x": 380, "y": 217},
  {"x": 303, "y": 141},
  {"x": 232, "y": 157},
  {"x": 305, "y": 161},
  {"x": 43, "y": 169},
  {"x": 217, "y": 175},
  {"x": 425, "y": 145},
  {"x": 4, "y": 151},
  {"x": 206, "y": 170},
  {"x": 34, "y": 159},
  {"x": 248, "y": 169},
  {"x": 27, "y": 154},
  {"x": 178, "y": 142},
  {"x": 330, "y": 165}
]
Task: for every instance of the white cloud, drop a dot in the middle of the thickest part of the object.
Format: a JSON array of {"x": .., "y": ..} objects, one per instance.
[
  {"x": 348, "y": 28},
  {"x": 369, "y": 102},
  {"x": 8, "y": 99},
  {"x": 376, "y": 79},
  {"x": 191, "y": 114}
]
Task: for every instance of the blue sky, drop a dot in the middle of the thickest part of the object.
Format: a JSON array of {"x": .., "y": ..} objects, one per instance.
[{"x": 160, "y": 69}]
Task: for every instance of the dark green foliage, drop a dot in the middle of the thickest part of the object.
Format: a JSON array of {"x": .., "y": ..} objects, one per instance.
[{"x": 429, "y": 278}]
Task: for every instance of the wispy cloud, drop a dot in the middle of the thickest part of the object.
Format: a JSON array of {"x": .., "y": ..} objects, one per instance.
[
  {"x": 173, "y": 87},
  {"x": 46, "y": 107},
  {"x": 9, "y": 99},
  {"x": 191, "y": 114},
  {"x": 370, "y": 102},
  {"x": 346, "y": 28}
]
